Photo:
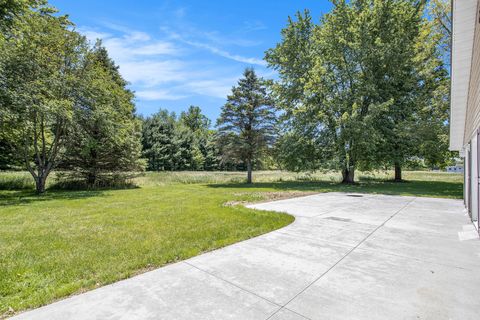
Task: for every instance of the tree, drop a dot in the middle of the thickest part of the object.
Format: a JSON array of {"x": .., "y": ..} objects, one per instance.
[
  {"x": 12, "y": 10},
  {"x": 397, "y": 77},
  {"x": 210, "y": 151},
  {"x": 12, "y": 13},
  {"x": 185, "y": 143},
  {"x": 246, "y": 125},
  {"x": 321, "y": 90},
  {"x": 350, "y": 84},
  {"x": 185, "y": 149},
  {"x": 417, "y": 123},
  {"x": 194, "y": 119},
  {"x": 158, "y": 141},
  {"x": 434, "y": 113},
  {"x": 103, "y": 140},
  {"x": 198, "y": 124},
  {"x": 40, "y": 71},
  {"x": 440, "y": 12}
]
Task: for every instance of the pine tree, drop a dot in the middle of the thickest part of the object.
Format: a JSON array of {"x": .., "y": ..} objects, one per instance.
[
  {"x": 158, "y": 141},
  {"x": 246, "y": 126},
  {"x": 104, "y": 139}
]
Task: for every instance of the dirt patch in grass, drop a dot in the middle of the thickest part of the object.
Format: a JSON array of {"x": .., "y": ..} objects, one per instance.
[{"x": 266, "y": 197}]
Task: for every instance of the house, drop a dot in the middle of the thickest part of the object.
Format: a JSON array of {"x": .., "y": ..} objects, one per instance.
[{"x": 465, "y": 97}]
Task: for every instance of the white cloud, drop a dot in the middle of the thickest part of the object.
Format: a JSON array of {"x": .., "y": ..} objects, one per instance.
[
  {"x": 149, "y": 73},
  {"x": 137, "y": 36},
  {"x": 122, "y": 50},
  {"x": 156, "y": 48},
  {"x": 158, "y": 95},
  {"x": 214, "y": 88},
  {"x": 165, "y": 67},
  {"x": 93, "y": 35},
  {"x": 226, "y": 54},
  {"x": 211, "y": 48}
]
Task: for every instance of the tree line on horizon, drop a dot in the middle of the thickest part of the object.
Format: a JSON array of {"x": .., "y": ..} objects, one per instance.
[{"x": 365, "y": 88}]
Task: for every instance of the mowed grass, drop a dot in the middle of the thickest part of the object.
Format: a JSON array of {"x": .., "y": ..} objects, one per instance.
[{"x": 66, "y": 242}]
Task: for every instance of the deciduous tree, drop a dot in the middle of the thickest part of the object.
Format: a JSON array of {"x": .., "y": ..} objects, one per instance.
[
  {"x": 40, "y": 71},
  {"x": 351, "y": 86}
]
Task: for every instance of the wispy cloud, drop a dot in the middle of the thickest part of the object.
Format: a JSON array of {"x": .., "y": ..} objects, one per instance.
[
  {"x": 150, "y": 73},
  {"x": 218, "y": 88},
  {"x": 170, "y": 65},
  {"x": 212, "y": 37},
  {"x": 223, "y": 53},
  {"x": 251, "y": 26},
  {"x": 153, "y": 95}
]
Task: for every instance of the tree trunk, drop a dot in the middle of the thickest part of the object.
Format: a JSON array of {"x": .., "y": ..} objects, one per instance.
[
  {"x": 91, "y": 179},
  {"x": 40, "y": 183},
  {"x": 348, "y": 175},
  {"x": 398, "y": 172},
  {"x": 249, "y": 172}
]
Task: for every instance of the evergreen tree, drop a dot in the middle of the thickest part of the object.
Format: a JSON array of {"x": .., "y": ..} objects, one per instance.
[
  {"x": 195, "y": 120},
  {"x": 104, "y": 138},
  {"x": 185, "y": 143},
  {"x": 184, "y": 146},
  {"x": 158, "y": 141},
  {"x": 246, "y": 126},
  {"x": 210, "y": 152},
  {"x": 198, "y": 124}
]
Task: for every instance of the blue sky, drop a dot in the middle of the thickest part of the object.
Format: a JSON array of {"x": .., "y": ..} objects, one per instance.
[{"x": 181, "y": 53}]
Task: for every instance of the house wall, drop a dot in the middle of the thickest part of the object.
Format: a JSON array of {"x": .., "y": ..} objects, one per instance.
[
  {"x": 472, "y": 119},
  {"x": 464, "y": 17}
]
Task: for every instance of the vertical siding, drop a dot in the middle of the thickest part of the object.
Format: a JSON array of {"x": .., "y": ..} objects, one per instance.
[{"x": 472, "y": 121}]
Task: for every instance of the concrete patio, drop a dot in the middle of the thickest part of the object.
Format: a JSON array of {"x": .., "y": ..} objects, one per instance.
[{"x": 345, "y": 257}]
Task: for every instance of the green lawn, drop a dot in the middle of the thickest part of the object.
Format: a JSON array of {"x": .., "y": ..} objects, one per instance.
[{"x": 66, "y": 242}]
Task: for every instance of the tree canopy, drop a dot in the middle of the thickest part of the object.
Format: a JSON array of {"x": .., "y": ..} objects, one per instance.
[
  {"x": 355, "y": 86},
  {"x": 364, "y": 88},
  {"x": 62, "y": 100}
]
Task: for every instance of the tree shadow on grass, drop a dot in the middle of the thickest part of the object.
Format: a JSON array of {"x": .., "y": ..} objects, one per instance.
[
  {"x": 418, "y": 188},
  {"x": 23, "y": 197}
]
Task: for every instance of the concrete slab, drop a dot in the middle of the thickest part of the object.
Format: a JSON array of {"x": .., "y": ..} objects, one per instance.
[
  {"x": 374, "y": 285},
  {"x": 375, "y": 217},
  {"x": 445, "y": 223},
  {"x": 177, "y": 291},
  {"x": 285, "y": 314},
  {"x": 425, "y": 246},
  {"x": 314, "y": 205},
  {"x": 275, "y": 266},
  {"x": 346, "y": 256},
  {"x": 331, "y": 228}
]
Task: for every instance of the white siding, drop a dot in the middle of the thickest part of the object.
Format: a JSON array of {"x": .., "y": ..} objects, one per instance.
[
  {"x": 474, "y": 179},
  {"x": 464, "y": 21},
  {"x": 472, "y": 122}
]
